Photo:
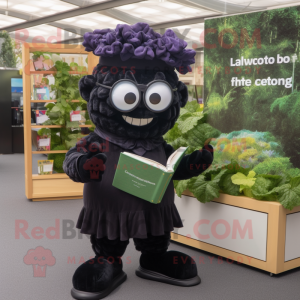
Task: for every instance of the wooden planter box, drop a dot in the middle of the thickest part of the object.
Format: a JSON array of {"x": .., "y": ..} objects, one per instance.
[{"x": 261, "y": 234}]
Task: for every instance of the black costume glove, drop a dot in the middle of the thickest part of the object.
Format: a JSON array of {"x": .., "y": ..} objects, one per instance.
[
  {"x": 195, "y": 163},
  {"x": 91, "y": 166}
]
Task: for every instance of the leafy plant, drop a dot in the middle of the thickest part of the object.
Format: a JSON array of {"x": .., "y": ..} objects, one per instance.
[
  {"x": 245, "y": 162},
  {"x": 66, "y": 90},
  {"x": 8, "y": 56}
]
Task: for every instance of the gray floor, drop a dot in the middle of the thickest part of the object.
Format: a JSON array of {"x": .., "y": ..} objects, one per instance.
[{"x": 219, "y": 281}]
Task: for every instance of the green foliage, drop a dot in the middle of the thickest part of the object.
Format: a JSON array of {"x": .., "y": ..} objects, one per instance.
[
  {"x": 58, "y": 159},
  {"x": 245, "y": 182},
  {"x": 181, "y": 185},
  {"x": 250, "y": 149},
  {"x": 191, "y": 129},
  {"x": 206, "y": 190},
  {"x": 66, "y": 89},
  {"x": 7, "y": 52},
  {"x": 46, "y": 55},
  {"x": 235, "y": 155}
]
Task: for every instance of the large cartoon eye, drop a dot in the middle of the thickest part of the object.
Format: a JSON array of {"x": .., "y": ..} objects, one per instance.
[
  {"x": 158, "y": 96},
  {"x": 125, "y": 96}
]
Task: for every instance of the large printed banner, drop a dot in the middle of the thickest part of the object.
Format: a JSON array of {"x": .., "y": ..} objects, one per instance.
[{"x": 251, "y": 92}]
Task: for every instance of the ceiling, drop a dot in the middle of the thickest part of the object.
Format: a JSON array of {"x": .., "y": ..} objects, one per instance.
[{"x": 152, "y": 11}]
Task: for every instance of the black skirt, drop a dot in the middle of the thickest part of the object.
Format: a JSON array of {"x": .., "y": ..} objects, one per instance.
[{"x": 111, "y": 212}]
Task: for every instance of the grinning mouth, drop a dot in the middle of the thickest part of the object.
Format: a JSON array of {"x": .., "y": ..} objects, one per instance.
[{"x": 137, "y": 122}]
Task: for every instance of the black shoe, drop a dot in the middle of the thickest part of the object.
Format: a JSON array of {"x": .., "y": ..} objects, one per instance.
[
  {"x": 97, "y": 278},
  {"x": 172, "y": 267}
]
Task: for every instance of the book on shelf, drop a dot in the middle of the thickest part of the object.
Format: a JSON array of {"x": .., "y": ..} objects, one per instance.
[
  {"x": 45, "y": 167},
  {"x": 145, "y": 178}
]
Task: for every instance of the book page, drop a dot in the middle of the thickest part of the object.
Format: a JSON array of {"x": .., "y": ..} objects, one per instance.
[
  {"x": 175, "y": 157},
  {"x": 147, "y": 161}
]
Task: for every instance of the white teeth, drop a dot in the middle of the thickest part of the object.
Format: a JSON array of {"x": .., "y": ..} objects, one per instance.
[
  {"x": 144, "y": 122},
  {"x": 137, "y": 122}
]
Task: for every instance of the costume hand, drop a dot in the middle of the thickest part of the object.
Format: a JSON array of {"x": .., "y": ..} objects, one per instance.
[
  {"x": 200, "y": 160},
  {"x": 91, "y": 166}
]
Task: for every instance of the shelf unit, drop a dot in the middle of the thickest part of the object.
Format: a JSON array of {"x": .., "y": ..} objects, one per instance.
[{"x": 55, "y": 186}]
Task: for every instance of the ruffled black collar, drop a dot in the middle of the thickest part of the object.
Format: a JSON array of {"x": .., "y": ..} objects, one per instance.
[{"x": 137, "y": 146}]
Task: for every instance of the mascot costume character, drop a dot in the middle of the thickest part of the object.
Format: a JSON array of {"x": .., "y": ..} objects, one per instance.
[{"x": 133, "y": 98}]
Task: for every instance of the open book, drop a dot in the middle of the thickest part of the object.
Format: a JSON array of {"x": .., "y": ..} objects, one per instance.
[{"x": 145, "y": 178}]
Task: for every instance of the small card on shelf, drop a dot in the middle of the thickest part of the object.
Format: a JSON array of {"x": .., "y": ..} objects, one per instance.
[
  {"x": 41, "y": 117},
  {"x": 43, "y": 143},
  {"x": 45, "y": 167},
  {"x": 78, "y": 116}
]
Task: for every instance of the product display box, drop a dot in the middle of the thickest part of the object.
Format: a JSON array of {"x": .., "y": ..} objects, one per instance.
[
  {"x": 43, "y": 142},
  {"x": 45, "y": 167},
  {"x": 261, "y": 234}
]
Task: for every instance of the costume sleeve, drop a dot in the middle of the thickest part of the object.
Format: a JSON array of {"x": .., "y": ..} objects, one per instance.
[
  {"x": 168, "y": 149},
  {"x": 194, "y": 164},
  {"x": 90, "y": 143}
]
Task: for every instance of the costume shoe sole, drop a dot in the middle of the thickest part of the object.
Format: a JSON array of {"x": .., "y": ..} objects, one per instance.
[
  {"x": 80, "y": 295},
  {"x": 147, "y": 274}
]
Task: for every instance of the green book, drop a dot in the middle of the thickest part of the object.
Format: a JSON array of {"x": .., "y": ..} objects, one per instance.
[{"x": 145, "y": 178}]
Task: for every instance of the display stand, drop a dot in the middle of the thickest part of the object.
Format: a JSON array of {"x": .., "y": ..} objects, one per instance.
[
  {"x": 261, "y": 234},
  {"x": 55, "y": 186}
]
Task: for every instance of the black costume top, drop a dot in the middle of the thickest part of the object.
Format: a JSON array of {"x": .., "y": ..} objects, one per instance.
[{"x": 110, "y": 212}]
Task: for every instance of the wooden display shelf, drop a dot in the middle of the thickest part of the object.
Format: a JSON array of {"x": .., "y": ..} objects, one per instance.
[
  {"x": 50, "y": 152},
  {"x": 45, "y": 101},
  {"x": 271, "y": 243},
  {"x": 55, "y": 187},
  {"x": 59, "y": 126},
  {"x": 54, "y": 72},
  {"x": 46, "y": 126}
]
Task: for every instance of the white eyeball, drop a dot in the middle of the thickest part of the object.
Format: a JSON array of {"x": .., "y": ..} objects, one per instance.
[
  {"x": 125, "y": 96},
  {"x": 158, "y": 96}
]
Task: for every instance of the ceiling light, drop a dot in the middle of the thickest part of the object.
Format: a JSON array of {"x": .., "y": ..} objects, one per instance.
[
  {"x": 117, "y": 22},
  {"x": 173, "y": 16},
  {"x": 5, "y": 23},
  {"x": 190, "y": 10},
  {"x": 127, "y": 7},
  {"x": 48, "y": 12},
  {"x": 36, "y": 32},
  {"x": 170, "y": 5},
  {"x": 88, "y": 23},
  {"x": 104, "y": 19},
  {"x": 25, "y": 7},
  {"x": 146, "y": 10},
  {"x": 69, "y": 20},
  {"x": 40, "y": 3},
  {"x": 60, "y": 7}
]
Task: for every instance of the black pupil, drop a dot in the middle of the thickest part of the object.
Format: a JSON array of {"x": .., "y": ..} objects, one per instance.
[
  {"x": 155, "y": 98},
  {"x": 130, "y": 98}
]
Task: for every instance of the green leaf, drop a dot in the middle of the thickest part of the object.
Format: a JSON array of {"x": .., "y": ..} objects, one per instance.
[
  {"x": 192, "y": 106},
  {"x": 289, "y": 194},
  {"x": 264, "y": 184},
  {"x": 228, "y": 187},
  {"x": 244, "y": 181},
  {"x": 181, "y": 186},
  {"x": 189, "y": 123},
  {"x": 206, "y": 191},
  {"x": 64, "y": 103},
  {"x": 200, "y": 134}
]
